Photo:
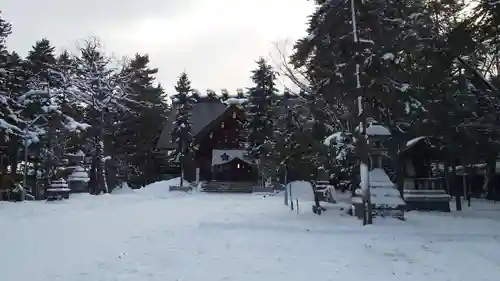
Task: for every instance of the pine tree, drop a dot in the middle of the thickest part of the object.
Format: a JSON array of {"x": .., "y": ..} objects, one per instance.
[
  {"x": 138, "y": 133},
  {"x": 259, "y": 126},
  {"x": 240, "y": 93},
  {"x": 211, "y": 95},
  {"x": 181, "y": 134},
  {"x": 395, "y": 41},
  {"x": 387, "y": 61},
  {"x": 41, "y": 58},
  {"x": 224, "y": 94},
  {"x": 6, "y": 101},
  {"x": 195, "y": 94},
  {"x": 44, "y": 100}
]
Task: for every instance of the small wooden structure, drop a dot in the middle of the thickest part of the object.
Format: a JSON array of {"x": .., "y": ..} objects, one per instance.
[{"x": 424, "y": 188}]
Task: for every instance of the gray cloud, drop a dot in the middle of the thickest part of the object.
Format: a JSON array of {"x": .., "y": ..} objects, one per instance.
[
  {"x": 215, "y": 41},
  {"x": 76, "y": 12}
]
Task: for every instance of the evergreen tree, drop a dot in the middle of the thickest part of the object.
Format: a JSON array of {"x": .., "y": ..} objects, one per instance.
[
  {"x": 138, "y": 133},
  {"x": 105, "y": 92},
  {"x": 7, "y": 104},
  {"x": 259, "y": 126},
  {"x": 195, "y": 94},
  {"x": 181, "y": 134},
  {"x": 386, "y": 61},
  {"x": 224, "y": 94},
  {"x": 41, "y": 57},
  {"x": 211, "y": 95},
  {"x": 240, "y": 93},
  {"x": 40, "y": 100},
  {"x": 395, "y": 40}
]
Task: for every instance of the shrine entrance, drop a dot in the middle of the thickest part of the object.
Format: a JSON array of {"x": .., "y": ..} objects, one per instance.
[{"x": 233, "y": 166}]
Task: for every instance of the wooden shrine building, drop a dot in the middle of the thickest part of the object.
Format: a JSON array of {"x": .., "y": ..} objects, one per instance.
[{"x": 216, "y": 129}]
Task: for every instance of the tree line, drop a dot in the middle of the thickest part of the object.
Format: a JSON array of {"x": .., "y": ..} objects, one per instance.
[{"x": 55, "y": 104}]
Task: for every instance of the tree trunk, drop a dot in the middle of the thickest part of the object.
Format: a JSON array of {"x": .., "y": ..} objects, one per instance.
[
  {"x": 456, "y": 190},
  {"x": 13, "y": 158},
  {"x": 47, "y": 160},
  {"x": 181, "y": 160},
  {"x": 489, "y": 173},
  {"x": 93, "y": 176},
  {"x": 101, "y": 185}
]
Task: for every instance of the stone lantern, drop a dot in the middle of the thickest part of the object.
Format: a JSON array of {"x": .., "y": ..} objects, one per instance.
[
  {"x": 385, "y": 198},
  {"x": 78, "y": 180}
]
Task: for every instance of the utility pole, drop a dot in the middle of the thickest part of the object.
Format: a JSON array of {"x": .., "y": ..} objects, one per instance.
[{"x": 361, "y": 142}]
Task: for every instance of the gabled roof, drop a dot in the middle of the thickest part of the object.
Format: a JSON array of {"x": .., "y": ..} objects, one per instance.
[
  {"x": 202, "y": 114},
  {"x": 206, "y": 111}
]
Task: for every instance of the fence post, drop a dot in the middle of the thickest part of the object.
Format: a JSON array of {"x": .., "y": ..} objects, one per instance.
[{"x": 286, "y": 195}]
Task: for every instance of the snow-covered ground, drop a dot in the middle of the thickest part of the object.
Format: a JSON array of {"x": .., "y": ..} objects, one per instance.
[{"x": 153, "y": 234}]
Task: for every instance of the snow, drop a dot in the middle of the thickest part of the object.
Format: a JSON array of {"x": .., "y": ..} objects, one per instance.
[
  {"x": 337, "y": 137},
  {"x": 58, "y": 189},
  {"x": 377, "y": 130},
  {"x": 404, "y": 87},
  {"x": 388, "y": 56},
  {"x": 210, "y": 237},
  {"x": 378, "y": 177},
  {"x": 387, "y": 196},
  {"x": 414, "y": 141},
  {"x": 236, "y": 101},
  {"x": 300, "y": 190},
  {"x": 123, "y": 188},
  {"x": 161, "y": 188},
  {"x": 61, "y": 183}
]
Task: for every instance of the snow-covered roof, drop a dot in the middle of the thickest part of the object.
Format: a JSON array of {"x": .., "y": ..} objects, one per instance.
[
  {"x": 414, "y": 141},
  {"x": 237, "y": 101},
  {"x": 220, "y": 157},
  {"x": 375, "y": 129},
  {"x": 335, "y": 136},
  {"x": 431, "y": 143}
]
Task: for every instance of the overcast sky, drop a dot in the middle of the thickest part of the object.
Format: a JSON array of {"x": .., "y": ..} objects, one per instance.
[{"x": 215, "y": 41}]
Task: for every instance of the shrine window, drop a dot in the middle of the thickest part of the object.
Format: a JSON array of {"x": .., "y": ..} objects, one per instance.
[
  {"x": 234, "y": 115},
  {"x": 211, "y": 135},
  {"x": 222, "y": 125}
]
